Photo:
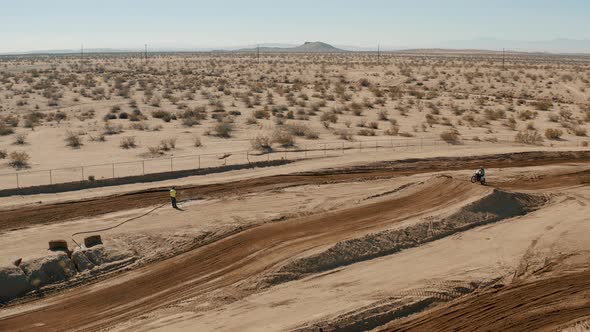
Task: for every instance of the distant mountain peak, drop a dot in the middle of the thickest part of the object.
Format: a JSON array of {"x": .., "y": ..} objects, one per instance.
[{"x": 307, "y": 47}]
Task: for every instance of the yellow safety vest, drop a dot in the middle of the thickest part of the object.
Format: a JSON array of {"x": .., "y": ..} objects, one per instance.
[{"x": 173, "y": 193}]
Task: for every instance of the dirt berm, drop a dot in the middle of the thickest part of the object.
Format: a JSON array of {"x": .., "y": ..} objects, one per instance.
[{"x": 496, "y": 206}]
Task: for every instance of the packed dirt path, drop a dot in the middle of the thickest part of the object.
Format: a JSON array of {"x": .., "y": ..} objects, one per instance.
[
  {"x": 546, "y": 304},
  {"x": 59, "y": 212},
  {"x": 227, "y": 261},
  {"x": 242, "y": 258}
]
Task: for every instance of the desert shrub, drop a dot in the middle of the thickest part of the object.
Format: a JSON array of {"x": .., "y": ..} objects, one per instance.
[
  {"x": 393, "y": 130},
  {"x": 283, "y": 138},
  {"x": 60, "y": 116},
  {"x": 112, "y": 129},
  {"x": 123, "y": 115},
  {"x": 543, "y": 105},
  {"x": 5, "y": 130},
  {"x": 222, "y": 129},
  {"x": 329, "y": 117},
  {"x": 383, "y": 115},
  {"x": 528, "y": 137},
  {"x": 373, "y": 125},
  {"x": 128, "y": 142},
  {"x": 578, "y": 131},
  {"x": 526, "y": 115},
  {"x": 261, "y": 143},
  {"x": 261, "y": 114},
  {"x": 251, "y": 120},
  {"x": 311, "y": 133},
  {"x": 109, "y": 116},
  {"x": 154, "y": 151},
  {"x": 551, "y": 133},
  {"x": 345, "y": 134},
  {"x": 161, "y": 114},
  {"x": 451, "y": 136},
  {"x": 553, "y": 117},
  {"x": 139, "y": 126},
  {"x": 168, "y": 144},
  {"x": 20, "y": 139},
  {"x": 19, "y": 160},
  {"x": 366, "y": 132},
  {"x": 3, "y": 154},
  {"x": 297, "y": 129},
  {"x": 73, "y": 139},
  {"x": 197, "y": 141}
]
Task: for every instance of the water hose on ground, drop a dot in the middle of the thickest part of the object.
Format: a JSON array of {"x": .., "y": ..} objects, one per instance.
[{"x": 119, "y": 224}]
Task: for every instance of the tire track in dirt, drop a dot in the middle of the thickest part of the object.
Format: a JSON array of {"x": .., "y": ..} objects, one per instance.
[
  {"x": 544, "y": 304},
  {"x": 19, "y": 218},
  {"x": 237, "y": 258}
]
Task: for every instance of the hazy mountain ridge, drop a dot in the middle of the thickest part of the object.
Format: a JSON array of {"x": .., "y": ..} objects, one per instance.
[{"x": 559, "y": 45}]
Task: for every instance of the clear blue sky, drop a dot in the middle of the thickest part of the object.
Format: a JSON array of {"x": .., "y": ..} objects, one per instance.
[{"x": 65, "y": 24}]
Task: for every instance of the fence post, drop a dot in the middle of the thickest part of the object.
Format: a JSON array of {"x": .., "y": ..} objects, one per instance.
[
  {"x": 50, "y": 176},
  {"x": 82, "y": 172},
  {"x": 285, "y": 154},
  {"x": 113, "y": 170},
  {"x": 305, "y": 148},
  {"x": 361, "y": 146},
  {"x": 143, "y": 167},
  {"x": 171, "y": 168},
  {"x": 376, "y": 145},
  {"x": 342, "y": 147},
  {"x": 199, "y": 161},
  {"x": 17, "y": 182}
]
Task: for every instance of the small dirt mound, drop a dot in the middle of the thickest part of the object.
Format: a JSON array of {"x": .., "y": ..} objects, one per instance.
[
  {"x": 496, "y": 206},
  {"x": 50, "y": 269}
]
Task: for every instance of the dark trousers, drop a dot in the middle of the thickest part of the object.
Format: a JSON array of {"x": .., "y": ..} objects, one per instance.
[{"x": 173, "y": 200}]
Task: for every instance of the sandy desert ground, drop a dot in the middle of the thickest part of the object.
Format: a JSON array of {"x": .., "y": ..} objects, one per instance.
[{"x": 381, "y": 240}]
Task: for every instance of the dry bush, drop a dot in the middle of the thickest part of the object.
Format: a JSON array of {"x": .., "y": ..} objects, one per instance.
[
  {"x": 451, "y": 136},
  {"x": 197, "y": 141},
  {"x": 345, "y": 134},
  {"x": 366, "y": 132},
  {"x": 578, "y": 131},
  {"x": 19, "y": 160},
  {"x": 222, "y": 129},
  {"x": 554, "y": 134},
  {"x": 73, "y": 140},
  {"x": 168, "y": 144},
  {"x": 373, "y": 125},
  {"x": 112, "y": 129},
  {"x": 383, "y": 115},
  {"x": 154, "y": 151},
  {"x": 528, "y": 137},
  {"x": 5, "y": 130},
  {"x": 139, "y": 126},
  {"x": 283, "y": 138},
  {"x": 393, "y": 130},
  {"x": 261, "y": 143},
  {"x": 543, "y": 105},
  {"x": 3, "y": 154},
  {"x": 20, "y": 139},
  {"x": 128, "y": 142},
  {"x": 329, "y": 117}
]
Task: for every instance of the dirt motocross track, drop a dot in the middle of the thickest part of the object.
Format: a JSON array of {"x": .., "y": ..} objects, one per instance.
[
  {"x": 59, "y": 212},
  {"x": 244, "y": 256}
]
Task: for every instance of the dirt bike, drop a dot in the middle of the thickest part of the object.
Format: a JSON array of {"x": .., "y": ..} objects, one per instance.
[{"x": 477, "y": 178}]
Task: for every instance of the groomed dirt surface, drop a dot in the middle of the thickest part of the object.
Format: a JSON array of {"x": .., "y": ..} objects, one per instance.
[
  {"x": 545, "y": 304},
  {"x": 60, "y": 212},
  {"x": 223, "y": 263},
  {"x": 245, "y": 256}
]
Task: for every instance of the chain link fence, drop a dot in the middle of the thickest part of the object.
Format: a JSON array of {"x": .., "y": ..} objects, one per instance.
[{"x": 30, "y": 178}]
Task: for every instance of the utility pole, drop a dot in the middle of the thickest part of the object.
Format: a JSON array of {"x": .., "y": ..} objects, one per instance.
[
  {"x": 145, "y": 53},
  {"x": 258, "y": 53},
  {"x": 379, "y": 53},
  {"x": 503, "y": 59},
  {"x": 81, "y": 57}
]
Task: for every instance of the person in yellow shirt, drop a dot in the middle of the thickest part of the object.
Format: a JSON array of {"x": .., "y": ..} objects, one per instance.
[{"x": 173, "y": 197}]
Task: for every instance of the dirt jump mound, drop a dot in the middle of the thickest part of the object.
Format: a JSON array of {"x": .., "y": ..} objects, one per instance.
[{"x": 496, "y": 206}]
